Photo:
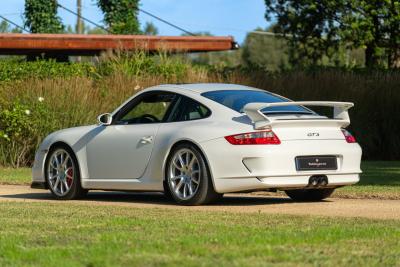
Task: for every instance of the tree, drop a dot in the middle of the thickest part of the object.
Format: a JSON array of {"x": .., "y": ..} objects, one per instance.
[
  {"x": 5, "y": 27},
  {"x": 41, "y": 16},
  {"x": 263, "y": 49},
  {"x": 150, "y": 29},
  {"x": 121, "y": 15},
  {"x": 315, "y": 29}
]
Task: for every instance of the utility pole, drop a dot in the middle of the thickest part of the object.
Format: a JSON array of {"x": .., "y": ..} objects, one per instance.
[{"x": 79, "y": 22}]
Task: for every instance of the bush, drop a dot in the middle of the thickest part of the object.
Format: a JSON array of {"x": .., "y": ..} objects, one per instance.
[{"x": 12, "y": 70}]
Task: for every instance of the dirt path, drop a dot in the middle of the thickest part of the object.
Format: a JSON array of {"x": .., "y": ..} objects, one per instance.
[{"x": 366, "y": 208}]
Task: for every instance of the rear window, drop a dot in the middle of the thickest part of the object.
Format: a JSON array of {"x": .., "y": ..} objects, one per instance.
[{"x": 237, "y": 99}]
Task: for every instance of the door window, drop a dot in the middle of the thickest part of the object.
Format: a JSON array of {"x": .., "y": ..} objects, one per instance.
[{"x": 148, "y": 108}]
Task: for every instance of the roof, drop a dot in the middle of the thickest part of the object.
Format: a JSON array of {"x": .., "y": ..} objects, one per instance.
[
  {"x": 206, "y": 87},
  {"x": 83, "y": 44}
]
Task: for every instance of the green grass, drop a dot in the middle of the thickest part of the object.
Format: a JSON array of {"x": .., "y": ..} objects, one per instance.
[
  {"x": 15, "y": 176},
  {"x": 55, "y": 234},
  {"x": 380, "y": 179}
]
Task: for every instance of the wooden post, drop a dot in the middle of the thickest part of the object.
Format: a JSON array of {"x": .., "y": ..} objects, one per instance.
[{"x": 79, "y": 22}]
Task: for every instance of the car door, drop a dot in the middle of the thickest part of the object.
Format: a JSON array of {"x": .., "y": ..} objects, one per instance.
[{"x": 122, "y": 150}]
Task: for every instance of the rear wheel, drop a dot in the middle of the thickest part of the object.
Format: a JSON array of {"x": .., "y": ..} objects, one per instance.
[
  {"x": 309, "y": 194},
  {"x": 62, "y": 174},
  {"x": 188, "y": 178}
]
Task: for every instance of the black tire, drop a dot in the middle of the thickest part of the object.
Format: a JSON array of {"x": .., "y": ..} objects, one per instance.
[
  {"x": 76, "y": 191},
  {"x": 205, "y": 191},
  {"x": 309, "y": 194}
]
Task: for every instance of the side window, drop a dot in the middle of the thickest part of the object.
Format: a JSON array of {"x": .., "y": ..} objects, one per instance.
[
  {"x": 150, "y": 108},
  {"x": 189, "y": 109}
]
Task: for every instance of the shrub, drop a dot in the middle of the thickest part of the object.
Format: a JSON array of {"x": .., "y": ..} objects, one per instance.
[
  {"x": 16, "y": 134},
  {"x": 11, "y": 70}
]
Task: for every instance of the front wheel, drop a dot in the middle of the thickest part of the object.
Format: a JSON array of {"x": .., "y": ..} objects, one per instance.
[
  {"x": 309, "y": 194},
  {"x": 188, "y": 178},
  {"x": 62, "y": 174}
]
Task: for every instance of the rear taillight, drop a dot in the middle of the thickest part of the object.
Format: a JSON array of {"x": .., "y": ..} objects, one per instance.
[
  {"x": 348, "y": 136},
  {"x": 254, "y": 138}
]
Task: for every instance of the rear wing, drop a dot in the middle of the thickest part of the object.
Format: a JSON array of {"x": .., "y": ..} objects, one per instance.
[{"x": 261, "y": 120}]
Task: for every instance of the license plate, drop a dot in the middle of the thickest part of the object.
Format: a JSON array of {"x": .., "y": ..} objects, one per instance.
[{"x": 310, "y": 163}]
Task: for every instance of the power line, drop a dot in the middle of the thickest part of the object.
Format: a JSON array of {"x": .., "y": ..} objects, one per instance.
[
  {"x": 139, "y": 9},
  {"x": 85, "y": 19},
  {"x": 15, "y": 24},
  {"x": 166, "y": 22}
]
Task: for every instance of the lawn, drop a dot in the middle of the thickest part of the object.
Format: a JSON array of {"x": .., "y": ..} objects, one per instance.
[
  {"x": 380, "y": 179},
  {"x": 56, "y": 234},
  {"x": 15, "y": 176}
]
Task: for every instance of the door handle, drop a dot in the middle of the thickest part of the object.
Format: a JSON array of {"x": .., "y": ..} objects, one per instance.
[{"x": 146, "y": 140}]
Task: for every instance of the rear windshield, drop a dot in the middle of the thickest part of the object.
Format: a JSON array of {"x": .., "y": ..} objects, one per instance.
[{"x": 237, "y": 99}]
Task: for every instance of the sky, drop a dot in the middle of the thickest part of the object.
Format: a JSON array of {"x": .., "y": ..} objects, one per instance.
[{"x": 219, "y": 17}]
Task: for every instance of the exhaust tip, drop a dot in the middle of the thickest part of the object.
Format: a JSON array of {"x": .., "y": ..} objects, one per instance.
[{"x": 318, "y": 180}]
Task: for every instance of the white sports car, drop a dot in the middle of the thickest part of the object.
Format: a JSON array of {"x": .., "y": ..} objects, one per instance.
[{"x": 196, "y": 142}]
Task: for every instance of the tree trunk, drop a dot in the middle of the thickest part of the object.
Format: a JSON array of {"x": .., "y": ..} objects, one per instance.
[
  {"x": 371, "y": 60},
  {"x": 394, "y": 58}
]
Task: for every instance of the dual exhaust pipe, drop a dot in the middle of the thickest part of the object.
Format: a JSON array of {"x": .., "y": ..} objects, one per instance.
[{"x": 318, "y": 181}]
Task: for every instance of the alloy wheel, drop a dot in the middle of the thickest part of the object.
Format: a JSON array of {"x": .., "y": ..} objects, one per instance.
[
  {"x": 184, "y": 174},
  {"x": 61, "y": 172}
]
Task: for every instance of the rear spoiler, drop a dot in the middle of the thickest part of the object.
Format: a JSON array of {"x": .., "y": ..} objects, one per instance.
[{"x": 261, "y": 120}]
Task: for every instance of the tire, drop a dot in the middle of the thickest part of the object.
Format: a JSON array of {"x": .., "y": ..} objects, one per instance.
[
  {"x": 309, "y": 194},
  {"x": 62, "y": 165},
  {"x": 188, "y": 178}
]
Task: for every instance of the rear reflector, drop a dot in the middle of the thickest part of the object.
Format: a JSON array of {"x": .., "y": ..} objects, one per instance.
[
  {"x": 254, "y": 138},
  {"x": 349, "y": 137}
]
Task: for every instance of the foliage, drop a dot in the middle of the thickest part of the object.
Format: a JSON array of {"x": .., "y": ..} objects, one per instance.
[
  {"x": 41, "y": 16},
  {"x": 5, "y": 27},
  {"x": 150, "y": 29},
  {"x": 11, "y": 70},
  {"x": 265, "y": 51},
  {"x": 318, "y": 29},
  {"x": 141, "y": 64},
  {"x": 121, "y": 16},
  {"x": 16, "y": 133}
]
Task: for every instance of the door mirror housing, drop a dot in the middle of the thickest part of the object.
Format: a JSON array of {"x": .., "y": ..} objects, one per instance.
[{"x": 104, "y": 119}]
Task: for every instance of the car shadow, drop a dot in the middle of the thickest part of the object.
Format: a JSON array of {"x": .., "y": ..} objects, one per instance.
[{"x": 159, "y": 198}]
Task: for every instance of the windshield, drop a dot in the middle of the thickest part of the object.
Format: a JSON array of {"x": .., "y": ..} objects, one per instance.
[{"x": 237, "y": 99}]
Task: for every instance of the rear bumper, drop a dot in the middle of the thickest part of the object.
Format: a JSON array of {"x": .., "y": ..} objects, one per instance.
[
  {"x": 302, "y": 181},
  {"x": 262, "y": 167},
  {"x": 229, "y": 185}
]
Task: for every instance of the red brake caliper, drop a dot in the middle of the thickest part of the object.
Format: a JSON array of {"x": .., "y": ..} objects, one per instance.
[{"x": 70, "y": 176}]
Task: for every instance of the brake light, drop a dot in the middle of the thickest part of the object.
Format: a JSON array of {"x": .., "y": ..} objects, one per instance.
[
  {"x": 348, "y": 136},
  {"x": 254, "y": 138}
]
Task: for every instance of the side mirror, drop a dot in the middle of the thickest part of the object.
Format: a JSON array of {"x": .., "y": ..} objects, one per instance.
[{"x": 104, "y": 119}]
